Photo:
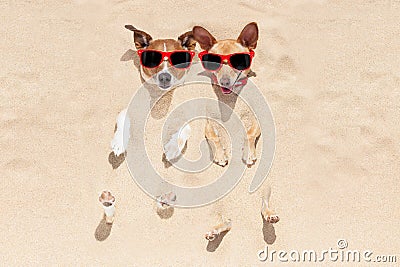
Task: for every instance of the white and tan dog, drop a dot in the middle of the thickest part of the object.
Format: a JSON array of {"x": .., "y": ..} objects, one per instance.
[
  {"x": 163, "y": 76},
  {"x": 228, "y": 79}
]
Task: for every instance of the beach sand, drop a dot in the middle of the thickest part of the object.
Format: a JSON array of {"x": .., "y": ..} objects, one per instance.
[{"x": 330, "y": 71}]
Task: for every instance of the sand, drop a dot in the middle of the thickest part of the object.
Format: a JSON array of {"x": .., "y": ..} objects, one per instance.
[{"x": 330, "y": 71}]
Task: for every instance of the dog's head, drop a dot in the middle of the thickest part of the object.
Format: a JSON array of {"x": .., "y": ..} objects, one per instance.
[
  {"x": 228, "y": 77},
  {"x": 164, "y": 76}
]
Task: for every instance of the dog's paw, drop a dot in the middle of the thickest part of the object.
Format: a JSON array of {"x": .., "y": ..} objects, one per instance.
[
  {"x": 249, "y": 157},
  {"x": 273, "y": 218},
  {"x": 173, "y": 149},
  {"x": 220, "y": 158}
]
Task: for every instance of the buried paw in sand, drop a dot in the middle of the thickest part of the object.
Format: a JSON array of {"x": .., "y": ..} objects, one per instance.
[
  {"x": 166, "y": 200},
  {"x": 108, "y": 202},
  {"x": 224, "y": 226},
  {"x": 268, "y": 215},
  {"x": 165, "y": 205}
]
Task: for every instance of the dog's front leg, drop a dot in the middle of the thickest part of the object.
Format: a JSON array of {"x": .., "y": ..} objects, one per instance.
[
  {"x": 249, "y": 146},
  {"x": 119, "y": 144},
  {"x": 219, "y": 152}
]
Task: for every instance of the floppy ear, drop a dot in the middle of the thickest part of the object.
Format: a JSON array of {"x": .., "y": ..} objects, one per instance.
[
  {"x": 142, "y": 39},
  {"x": 203, "y": 37},
  {"x": 249, "y": 36},
  {"x": 187, "y": 40}
]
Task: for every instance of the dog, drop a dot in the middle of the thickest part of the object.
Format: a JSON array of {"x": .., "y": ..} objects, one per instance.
[
  {"x": 229, "y": 63},
  {"x": 268, "y": 214},
  {"x": 163, "y": 63},
  {"x": 224, "y": 226}
]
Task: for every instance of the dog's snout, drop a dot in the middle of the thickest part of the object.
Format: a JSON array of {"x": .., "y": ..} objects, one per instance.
[
  {"x": 164, "y": 78},
  {"x": 225, "y": 81}
]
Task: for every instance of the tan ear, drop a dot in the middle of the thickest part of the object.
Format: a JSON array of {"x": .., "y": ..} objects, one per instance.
[
  {"x": 187, "y": 40},
  {"x": 203, "y": 37},
  {"x": 249, "y": 36},
  {"x": 141, "y": 38}
]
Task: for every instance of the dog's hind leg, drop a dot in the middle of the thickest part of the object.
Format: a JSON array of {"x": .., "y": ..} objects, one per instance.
[
  {"x": 211, "y": 134},
  {"x": 249, "y": 146},
  {"x": 268, "y": 214}
]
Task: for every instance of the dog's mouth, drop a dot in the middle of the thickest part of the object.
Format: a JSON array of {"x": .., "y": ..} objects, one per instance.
[
  {"x": 238, "y": 84},
  {"x": 226, "y": 90},
  {"x": 164, "y": 86}
]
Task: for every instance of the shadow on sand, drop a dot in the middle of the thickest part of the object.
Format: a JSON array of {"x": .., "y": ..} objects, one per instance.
[
  {"x": 268, "y": 232},
  {"x": 167, "y": 163},
  {"x": 213, "y": 245},
  {"x": 165, "y": 213},
  {"x": 115, "y": 161},
  {"x": 103, "y": 230}
]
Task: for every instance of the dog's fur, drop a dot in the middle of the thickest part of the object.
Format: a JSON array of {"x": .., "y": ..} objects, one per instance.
[
  {"x": 175, "y": 145},
  {"x": 119, "y": 144},
  {"x": 108, "y": 202},
  {"x": 227, "y": 78},
  {"x": 166, "y": 200},
  {"x": 163, "y": 76},
  {"x": 267, "y": 213},
  {"x": 224, "y": 226}
]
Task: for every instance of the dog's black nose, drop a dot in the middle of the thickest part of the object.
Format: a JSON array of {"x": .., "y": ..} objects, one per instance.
[
  {"x": 164, "y": 77},
  {"x": 225, "y": 82}
]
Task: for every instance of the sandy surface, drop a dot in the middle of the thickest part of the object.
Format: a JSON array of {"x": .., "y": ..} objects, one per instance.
[{"x": 329, "y": 70}]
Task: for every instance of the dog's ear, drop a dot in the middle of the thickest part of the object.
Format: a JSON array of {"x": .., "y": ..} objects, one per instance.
[
  {"x": 141, "y": 38},
  {"x": 203, "y": 37},
  {"x": 187, "y": 40},
  {"x": 249, "y": 36}
]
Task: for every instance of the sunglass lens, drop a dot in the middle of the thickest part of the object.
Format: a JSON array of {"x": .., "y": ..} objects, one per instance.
[
  {"x": 211, "y": 62},
  {"x": 181, "y": 60},
  {"x": 241, "y": 61},
  {"x": 151, "y": 59}
]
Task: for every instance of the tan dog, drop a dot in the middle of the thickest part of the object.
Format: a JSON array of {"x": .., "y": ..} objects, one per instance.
[
  {"x": 228, "y": 78},
  {"x": 224, "y": 226}
]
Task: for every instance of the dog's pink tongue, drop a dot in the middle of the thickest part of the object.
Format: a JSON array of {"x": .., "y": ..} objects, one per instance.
[{"x": 226, "y": 90}]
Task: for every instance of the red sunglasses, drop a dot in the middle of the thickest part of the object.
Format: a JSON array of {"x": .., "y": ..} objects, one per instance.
[
  {"x": 180, "y": 59},
  {"x": 238, "y": 61}
]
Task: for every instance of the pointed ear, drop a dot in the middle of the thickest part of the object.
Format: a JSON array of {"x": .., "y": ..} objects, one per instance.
[
  {"x": 203, "y": 37},
  {"x": 141, "y": 38},
  {"x": 249, "y": 36},
  {"x": 187, "y": 40}
]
